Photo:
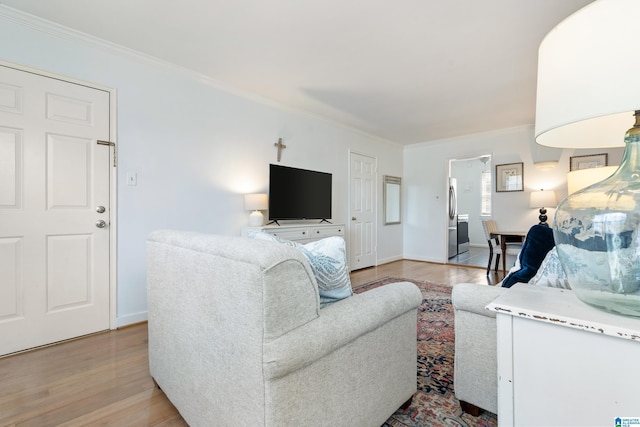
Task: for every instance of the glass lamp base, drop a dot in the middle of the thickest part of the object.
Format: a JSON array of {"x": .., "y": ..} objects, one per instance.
[
  {"x": 597, "y": 235},
  {"x": 625, "y": 304}
]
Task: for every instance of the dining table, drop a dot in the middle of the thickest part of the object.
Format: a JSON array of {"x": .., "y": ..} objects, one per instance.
[{"x": 506, "y": 237}]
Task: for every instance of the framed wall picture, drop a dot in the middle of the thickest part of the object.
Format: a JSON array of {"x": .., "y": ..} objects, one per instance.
[
  {"x": 588, "y": 161},
  {"x": 510, "y": 177}
]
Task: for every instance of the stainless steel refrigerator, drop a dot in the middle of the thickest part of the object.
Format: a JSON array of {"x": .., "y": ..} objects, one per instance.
[
  {"x": 458, "y": 224},
  {"x": 453, "y": 218}
]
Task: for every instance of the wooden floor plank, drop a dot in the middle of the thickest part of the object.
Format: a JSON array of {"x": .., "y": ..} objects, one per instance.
[
  {"x": 446, "y": 274},
  {"x": 103, "y": 379}
]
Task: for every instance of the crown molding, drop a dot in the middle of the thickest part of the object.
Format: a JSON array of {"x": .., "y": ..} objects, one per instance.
[{"x": 60, "y": 31}]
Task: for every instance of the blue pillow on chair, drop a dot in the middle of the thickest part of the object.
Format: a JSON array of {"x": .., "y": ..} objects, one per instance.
[{"x": 538, "y": 242}]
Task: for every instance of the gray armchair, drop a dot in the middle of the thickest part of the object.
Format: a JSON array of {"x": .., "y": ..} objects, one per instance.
[
  {"x": 237, "y": 337},
  {"x": 475, "y": 367}
]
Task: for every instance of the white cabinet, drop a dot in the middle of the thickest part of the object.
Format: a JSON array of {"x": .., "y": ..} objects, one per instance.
[
  {"x": 562, "y": 362},
  {"x": 300, "y": 233}
]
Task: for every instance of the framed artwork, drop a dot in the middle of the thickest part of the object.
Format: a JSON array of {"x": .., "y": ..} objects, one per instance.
[
  {"x": 510, "y": 177},
  {"x": 588, "y": 162}
]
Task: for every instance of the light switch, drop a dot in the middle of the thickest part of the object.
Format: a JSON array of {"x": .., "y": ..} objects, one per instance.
[{"x": 132, "y": 179}]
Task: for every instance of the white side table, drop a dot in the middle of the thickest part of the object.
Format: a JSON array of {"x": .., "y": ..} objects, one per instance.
[{"x": 562, "y": 362}]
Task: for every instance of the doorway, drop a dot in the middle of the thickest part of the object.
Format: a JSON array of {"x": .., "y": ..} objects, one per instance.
[
  {"x": 470, "y": 181},
  {"x": 57, "y": 235}
]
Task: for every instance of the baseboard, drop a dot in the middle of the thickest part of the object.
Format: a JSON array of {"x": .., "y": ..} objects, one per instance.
[
  {"x": 426, "y": 259},
  {"x": 130, "y": 319},
  {"x": 388, "y": 260}
]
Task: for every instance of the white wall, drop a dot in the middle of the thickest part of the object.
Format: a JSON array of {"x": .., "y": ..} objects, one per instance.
[
  {"x": 425, "y": 183},
  {"x": 195, "y": 147}
]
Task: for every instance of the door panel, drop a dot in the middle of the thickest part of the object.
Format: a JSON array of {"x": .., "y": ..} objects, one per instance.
[
  {"x": 69, "y": 110},
  {"x": 10, "y": 167},
  {"x": 68, "y": 172},
  {"x": 11, "y": 289},
  {"x": 69, "y": 271},
  {"x": 54, "y": 261},
  {"x": 10, "y": 98},
  {"x": 362, "y": 240}
]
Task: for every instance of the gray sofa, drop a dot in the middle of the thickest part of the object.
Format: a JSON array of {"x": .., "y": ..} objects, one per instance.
[
  {"x": 237, "y": 337},
  {"x": 475, "y": 367}
]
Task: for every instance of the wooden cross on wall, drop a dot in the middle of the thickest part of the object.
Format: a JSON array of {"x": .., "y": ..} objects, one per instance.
[{"x": 280, "y": 147}]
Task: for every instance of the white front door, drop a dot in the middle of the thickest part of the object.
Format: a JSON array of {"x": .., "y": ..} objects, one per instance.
[
  {"x": 362, "y": 237},
  {"x": 54, "y": 188}
]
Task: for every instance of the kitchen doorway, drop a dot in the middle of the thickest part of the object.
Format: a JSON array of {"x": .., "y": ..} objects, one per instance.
[{"x": 470, "y": 183}]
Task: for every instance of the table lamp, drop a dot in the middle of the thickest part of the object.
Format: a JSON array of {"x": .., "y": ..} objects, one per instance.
[
  {"x": 542, "y": 199},
  {"x": 256, "y": 203},
  {"x": 588, "y": 93}
]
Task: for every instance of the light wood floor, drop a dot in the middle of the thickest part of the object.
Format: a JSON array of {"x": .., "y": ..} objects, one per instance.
[
  {"x": 445, "y": 274},
  {"x": 103, "y": 379}
]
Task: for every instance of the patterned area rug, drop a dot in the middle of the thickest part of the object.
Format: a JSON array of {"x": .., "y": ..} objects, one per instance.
[{"x": 435, "y": 403}]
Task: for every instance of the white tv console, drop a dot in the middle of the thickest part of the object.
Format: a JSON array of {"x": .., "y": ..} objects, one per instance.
[{"x": 301, "y": 233}]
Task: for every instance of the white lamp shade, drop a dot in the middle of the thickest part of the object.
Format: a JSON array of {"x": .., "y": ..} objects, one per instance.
[
  {"x": 581, "y": 178},
  {"x": 542, "y": 199},
  {"x": 588, "y": 77},
  {"x": 256, "y": 202}
]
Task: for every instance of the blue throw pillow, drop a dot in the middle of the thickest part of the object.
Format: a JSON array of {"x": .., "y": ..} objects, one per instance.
[
  {"x": 328, "y": 260},
  {"x": 538, "y": 242}
]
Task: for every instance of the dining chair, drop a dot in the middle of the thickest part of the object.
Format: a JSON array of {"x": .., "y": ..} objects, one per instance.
[{"x": 489, "y": 226}]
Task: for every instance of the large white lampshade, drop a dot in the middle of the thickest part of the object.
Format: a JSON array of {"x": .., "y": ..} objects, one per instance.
[
  {"x": 256, "y": 203},
  {"x": 588, "y": 93},
  {"x": 588, "y": 77}
]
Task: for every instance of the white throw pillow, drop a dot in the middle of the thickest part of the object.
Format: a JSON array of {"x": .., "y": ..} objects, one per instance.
[
  {"x": 551, "y": 273},
  {"x": 328, "y": 260}
]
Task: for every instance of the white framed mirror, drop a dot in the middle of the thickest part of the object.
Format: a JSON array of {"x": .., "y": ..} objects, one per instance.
[{"x": 391, "y": 194}]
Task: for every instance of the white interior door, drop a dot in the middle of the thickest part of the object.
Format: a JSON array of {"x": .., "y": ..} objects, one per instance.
[
  {"x": 362, "y": 238},
  {"x": 54, "y": 177}
]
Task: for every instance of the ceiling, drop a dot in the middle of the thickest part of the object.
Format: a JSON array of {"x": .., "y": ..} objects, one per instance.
[{"x": 407, "y": 71}]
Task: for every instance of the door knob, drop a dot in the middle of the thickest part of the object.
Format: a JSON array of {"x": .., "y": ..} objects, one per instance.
[
  {"x": 100, "y": 209},
  {"x": 101, "y": 224},
  {"x": 353, "y": 218}
]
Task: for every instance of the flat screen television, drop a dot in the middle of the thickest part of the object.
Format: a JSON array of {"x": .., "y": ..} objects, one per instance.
[{"x": 298, "y": 194}]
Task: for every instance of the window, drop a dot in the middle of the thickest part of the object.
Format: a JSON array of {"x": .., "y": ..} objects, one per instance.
[{"x": 485, "y": 200}]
